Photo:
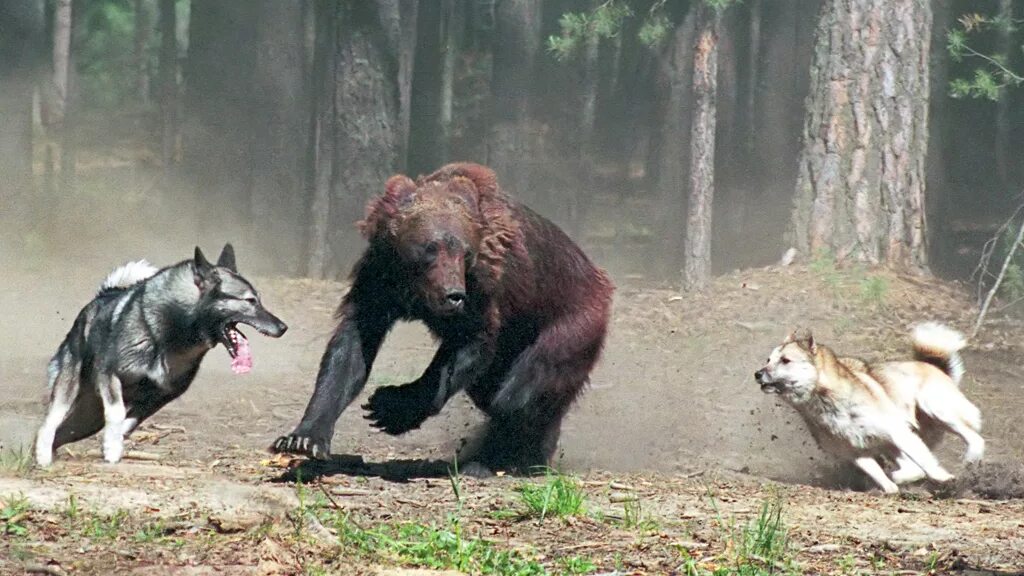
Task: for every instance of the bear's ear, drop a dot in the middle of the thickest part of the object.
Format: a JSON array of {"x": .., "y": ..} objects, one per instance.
[
  {"x": 401, "y": 189},
  {"x": 482, "y": 177},
  {"x": 399, "y": 192}
]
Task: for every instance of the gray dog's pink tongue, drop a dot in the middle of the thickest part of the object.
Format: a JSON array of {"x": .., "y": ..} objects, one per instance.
[{"x": 242, "y": 362}]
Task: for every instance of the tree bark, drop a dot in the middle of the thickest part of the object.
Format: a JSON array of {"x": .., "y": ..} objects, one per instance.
[
  {"x": 22, "y": 60},
  {"x": 425, "y": 136},
  {"x": 58, "y": 96},
  {"x": 1003, "y": 149},
  {"x": 168, "y": 87},
  {"x": 860, "y": 190},
  {"x": 141, "y": 41},
  {"x": 697, "y": 267},
  {"x": 67, "y": 91},
  {"x": 454, "y": 27},
  {"x": 938, "y": 198},
  {"x": 356, "y": 127},
  {"x": 510, "y": 141},
  {"x": 245, "y": 140},
  {"x": 676, "y": 85}
]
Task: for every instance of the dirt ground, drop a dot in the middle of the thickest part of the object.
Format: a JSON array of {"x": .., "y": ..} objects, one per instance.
[{"x": 672, "y": 417}]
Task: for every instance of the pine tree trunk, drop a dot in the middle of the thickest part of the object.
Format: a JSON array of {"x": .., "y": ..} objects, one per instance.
[
  {"x": 1003, "y": 150},
  {"x": 22, "y": 59},
  {"x": 454, "y": 27},
  {"x": 676, "y": 80},
  {"x": 141, "y": 41},
  {"x": 58, "y": 100},
  {"x": 356, "y": 127},
  {"x": 940, "y": 243},
  {"x": 697, "y": 266},
  {"x": 65, "y": 33},
  {"x": 168, "y": 87},
  {"x": 425, "y": 137},
  {"x": 510, "y": 142},
  {"x": 860, "y": 190},
  {"x": 277, "y": 189}
]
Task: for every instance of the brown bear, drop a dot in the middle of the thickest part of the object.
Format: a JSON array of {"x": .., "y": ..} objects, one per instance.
[{"x": 520, "y": 312}]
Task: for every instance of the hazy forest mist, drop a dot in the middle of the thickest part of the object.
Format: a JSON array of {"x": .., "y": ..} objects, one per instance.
[{"x": 275, "y": 121}]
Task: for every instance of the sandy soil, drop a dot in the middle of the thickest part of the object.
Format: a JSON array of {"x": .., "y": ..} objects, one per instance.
[{"x": 672, "y": 413}]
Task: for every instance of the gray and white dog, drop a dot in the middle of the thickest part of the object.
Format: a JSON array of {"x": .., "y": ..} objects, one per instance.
[{"x": 139, "y": 343}]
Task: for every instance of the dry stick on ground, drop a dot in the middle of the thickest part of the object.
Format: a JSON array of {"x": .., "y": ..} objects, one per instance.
[{"x": 999, "y": 279}]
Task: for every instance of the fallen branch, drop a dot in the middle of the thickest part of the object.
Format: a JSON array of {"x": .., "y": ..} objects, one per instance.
[
  {"x": 999, "y": 279},
  {"x": 129, "y": 455},
  {"x": 41, "y": 569}
]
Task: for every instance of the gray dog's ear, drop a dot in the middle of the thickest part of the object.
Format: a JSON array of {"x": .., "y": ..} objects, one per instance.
[
  {"x": 205, "y": 274},
  {"x": 227, "y": 258}
]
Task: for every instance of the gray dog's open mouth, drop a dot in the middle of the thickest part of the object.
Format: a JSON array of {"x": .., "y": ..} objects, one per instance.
[{"x": 232, "y": 339}]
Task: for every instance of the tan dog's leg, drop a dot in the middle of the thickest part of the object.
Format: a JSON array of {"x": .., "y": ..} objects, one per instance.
[{"x": 871, "y": 467}]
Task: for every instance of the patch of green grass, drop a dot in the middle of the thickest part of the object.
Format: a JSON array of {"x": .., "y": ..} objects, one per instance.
[
  {"x": 576, "y": 565},
  {"x": 13, "y": 513},
  {"x": 559, "y": 496},
  {"x": 17, "y": 460},
  {"x": 873, "y": 290},
  {"x": 71, "y": 510},
  {"x": 757, "y": 548},
  {"x": 634, "y": 517},
  {"x": 436, "y": 546},
  {"x": 105, "y": 527},
  {"x": 150, "y": 532}
]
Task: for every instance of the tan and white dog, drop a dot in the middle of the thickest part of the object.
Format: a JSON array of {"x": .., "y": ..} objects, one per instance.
[{"x": 863, "y": 411}]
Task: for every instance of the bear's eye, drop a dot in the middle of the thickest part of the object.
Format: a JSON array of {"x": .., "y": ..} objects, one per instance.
[{"x": 430, "y": 251}]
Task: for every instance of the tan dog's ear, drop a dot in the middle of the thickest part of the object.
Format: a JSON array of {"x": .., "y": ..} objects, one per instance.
[
  {"x": 791, "y": 337},
  {"x": 810, "y": 343}
]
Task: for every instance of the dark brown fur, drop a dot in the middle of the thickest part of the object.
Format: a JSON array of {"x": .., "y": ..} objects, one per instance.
[{"x": 520, "y": 312}]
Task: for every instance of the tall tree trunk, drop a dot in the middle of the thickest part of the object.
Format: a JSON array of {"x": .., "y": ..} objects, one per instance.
[
  {"x": 141, "y": 42},
  {"x": 425, "y": 137},
  {"x": 1003, "y": 150},
  {"x": 753, "y": 51},
  {"x": 676, "y": 80},
  {"x": 277, "y": 157},
  {"x": 939, "y": 190},
  {"x": 454, "y": 28},
  {"x": 58, "y": 100},
  {"x": 697, "y": 266},
  {"x": 510, "y": 143},
  {"x": 860, "y": 191},
  {"x": 356, "y": 127},
  {"x": 245, "y": 140},
  {"x": 65, "y": 33},
  {"x": 168, "y": 86},
  {"x": 407, "y": 14},
  {"x": 22, "y": 60}
]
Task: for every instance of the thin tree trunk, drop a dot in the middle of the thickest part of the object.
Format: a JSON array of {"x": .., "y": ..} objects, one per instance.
[
  {"x": 425, "y": 137},
  {"x": 141, "y": 57},
  {"x": 454, "y": 27},
  {"x": 860, "y": 191},
  {"x": 1003, "y": 148},
  {"x": 939, "y": 190},
  {"x": 22, "y": 60},
  {"x": 409, "y": 11},
  {"x": 67, "y": 92},
  {"x": 322, "y": 137},
  {"x": 697, "y": 267},
  {"x": 61, "y": 59},
  {"x": 168, "y": 86},
  {"x": 753, "y": 57},
  {"x": 58, "y": 97}
]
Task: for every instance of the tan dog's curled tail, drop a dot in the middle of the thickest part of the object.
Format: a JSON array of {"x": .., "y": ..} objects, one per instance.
[{"x": 940, "y": 345}]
